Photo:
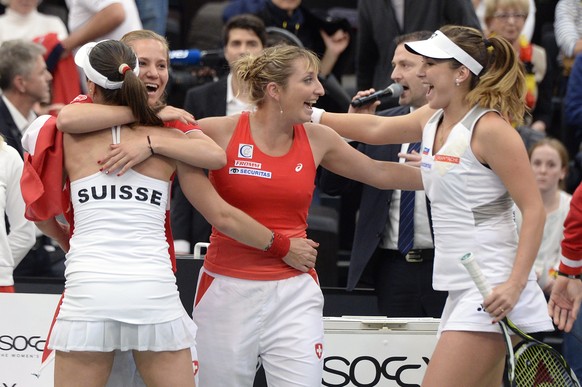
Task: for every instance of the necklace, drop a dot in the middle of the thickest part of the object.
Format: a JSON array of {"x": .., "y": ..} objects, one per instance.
[{"x": 442, "y": 134}]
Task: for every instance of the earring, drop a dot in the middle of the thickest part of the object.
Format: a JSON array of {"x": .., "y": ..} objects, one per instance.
[
  {"x": 457, "y": 83},
  {"x": 280, "y": 109}
]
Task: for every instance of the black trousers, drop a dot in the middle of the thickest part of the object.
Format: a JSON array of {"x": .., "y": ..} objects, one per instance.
[{"x": 404, "y": 286}]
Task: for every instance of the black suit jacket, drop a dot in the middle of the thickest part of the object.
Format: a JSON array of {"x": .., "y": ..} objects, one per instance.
[
  {"x": 374, "y": 203},
  {"x": 8, "y": 128},
  {"x": 377, "y": 28},
  {"x": 207, "y": 100}
]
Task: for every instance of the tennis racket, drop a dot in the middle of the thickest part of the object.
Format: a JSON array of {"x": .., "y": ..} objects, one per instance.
[{"x": 531, "y": 362}]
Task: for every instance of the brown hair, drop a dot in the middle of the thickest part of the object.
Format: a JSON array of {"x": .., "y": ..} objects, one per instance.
[
  {"x": 273, "y": 64},
  {"x": 559, "y": 147},
  {"x": 501, "y": 83},
  {"x": 106, "y": 58}
]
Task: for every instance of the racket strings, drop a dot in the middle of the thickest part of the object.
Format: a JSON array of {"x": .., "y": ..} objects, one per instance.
[{"x": 538, "y": 365}]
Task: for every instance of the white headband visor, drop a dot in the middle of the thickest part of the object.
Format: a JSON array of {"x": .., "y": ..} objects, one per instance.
[
  {"x": 82, "y": 60},
  {"x": 439, "y": 46}
]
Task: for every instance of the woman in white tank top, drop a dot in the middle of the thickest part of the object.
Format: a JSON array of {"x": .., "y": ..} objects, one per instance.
[{"x": 473, "y": 166}]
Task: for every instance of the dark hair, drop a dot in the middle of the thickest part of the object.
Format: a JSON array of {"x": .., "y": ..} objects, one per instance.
[
  {"x": 107, "y": 58},
  {"x": 245, "y": 21},
  {"x": 412, "y": 36}
]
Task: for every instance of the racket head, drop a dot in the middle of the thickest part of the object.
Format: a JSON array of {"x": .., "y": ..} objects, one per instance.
[{"x": 538, "y": 364}]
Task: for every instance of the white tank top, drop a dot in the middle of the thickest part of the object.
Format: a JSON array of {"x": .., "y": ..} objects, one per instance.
[
  {"x": 118, "y": 266},
  {"x": 471, "y": 208}
]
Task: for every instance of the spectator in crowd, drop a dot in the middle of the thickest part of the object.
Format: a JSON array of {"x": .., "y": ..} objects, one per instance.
[
  {"x": 568, "y": 30},
  {"x": 242, "y": 34},
  {"x": 17, "y": 234},
  {"x": 379, "y": 22},
  {"x": 22, "y": 20},
  {"x": 528, "y": 28},
  {"x": 402, "y": 279},
  {"x": 89, "y": 20},
  {"x": 507, "y": 18},
  {"x": 328, "y": 37},
  {"x": 153, "y": 15},
  {"x": 549, "y": 162},
  {"x": 25, "y": 83},
  {"x": 573, "y": 103}
]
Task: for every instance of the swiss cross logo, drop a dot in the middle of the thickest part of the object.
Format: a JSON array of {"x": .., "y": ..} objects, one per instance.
[
  {"x": 195, "y": 366},
  {"x": 319, "y": 350}
]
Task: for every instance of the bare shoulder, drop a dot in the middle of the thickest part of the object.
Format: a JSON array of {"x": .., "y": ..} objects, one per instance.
[
  {"x": 218, "y": 123},
  {"x": 492, "y": 126}
]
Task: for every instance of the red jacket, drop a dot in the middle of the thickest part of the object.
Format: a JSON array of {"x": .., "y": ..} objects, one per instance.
[{"x": 571, "y": 262}]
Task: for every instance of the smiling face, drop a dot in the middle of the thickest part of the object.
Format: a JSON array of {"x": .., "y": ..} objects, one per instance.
[
  {"x": 153, "y": 67},
  {"x": 547, "y": 166},
  {"x": 301, "y": 92},
  {"x": 438, "y": 78},
  {"x": 406, "y": 65}
]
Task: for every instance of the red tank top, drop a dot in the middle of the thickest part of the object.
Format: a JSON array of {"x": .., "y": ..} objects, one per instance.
[{"x": 276, "y": 191}]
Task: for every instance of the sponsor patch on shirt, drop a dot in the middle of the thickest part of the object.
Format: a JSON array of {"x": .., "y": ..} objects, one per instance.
[
  {"x": 245, "y": 151},
  {"x": 447, "y": 159},
  {"x": 247, "y": 164},
  {"x": 249, "y": 172},
  {"x": 425, "y": 150}
]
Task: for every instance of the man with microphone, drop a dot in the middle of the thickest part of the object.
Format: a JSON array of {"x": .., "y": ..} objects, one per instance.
[{"x": 392, "y": 252}]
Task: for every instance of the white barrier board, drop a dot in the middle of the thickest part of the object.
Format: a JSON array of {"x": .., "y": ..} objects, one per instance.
[
  {"x": 373, "y": 351},
  {"x": 24, "y": 324},
  {"x": 359, "y": 351}
]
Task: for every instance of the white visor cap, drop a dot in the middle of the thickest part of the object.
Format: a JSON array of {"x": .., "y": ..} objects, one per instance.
[
  {"x": 439, "y": 46},
  {"x": 82, "y": 60}
]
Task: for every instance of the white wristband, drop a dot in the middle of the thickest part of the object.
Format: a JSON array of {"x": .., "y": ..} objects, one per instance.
[{"x": 316, "y": 115}]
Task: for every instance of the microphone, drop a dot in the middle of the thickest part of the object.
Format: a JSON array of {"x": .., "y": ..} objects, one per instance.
[
  {"x": 195, "y": 57},
  {"x": 394, "y": 90}
]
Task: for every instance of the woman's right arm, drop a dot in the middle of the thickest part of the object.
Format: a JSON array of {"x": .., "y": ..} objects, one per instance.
[
  {"x": 235, "y": 223},
  {"x": 90, "y": 117},
  {"x": 378, "y": 130}
]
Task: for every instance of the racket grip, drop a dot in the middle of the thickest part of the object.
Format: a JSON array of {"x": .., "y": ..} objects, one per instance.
[{"x": 468, "y": 260}]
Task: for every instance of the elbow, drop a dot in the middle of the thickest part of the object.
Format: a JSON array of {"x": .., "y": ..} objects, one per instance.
[
  {"x": 218, "y": 159},
  {"x": 64, "y": 121}
]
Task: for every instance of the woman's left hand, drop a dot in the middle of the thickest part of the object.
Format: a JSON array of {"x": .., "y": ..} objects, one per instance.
[{"x": 124, "y": 156}]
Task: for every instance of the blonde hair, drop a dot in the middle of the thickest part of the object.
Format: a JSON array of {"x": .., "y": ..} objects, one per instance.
[
  {"x": 132, "y": 36},
  {"x": 273, "y": 64},
  {"x": 501, "y": 83},
  {"x": 491, "y": 6}
]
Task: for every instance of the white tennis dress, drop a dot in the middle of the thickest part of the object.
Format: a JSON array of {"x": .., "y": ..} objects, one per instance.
[
  {"x": 120, "y": 291},
  {"x": 472, "y": 211}
]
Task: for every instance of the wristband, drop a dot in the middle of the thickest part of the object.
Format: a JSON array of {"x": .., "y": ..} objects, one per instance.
[
  {"x": 316, "y": 115},
  {"x": 279, "y": 245},
  {"x": 150, "y": 145},
  {"x": 571, "y": 276}
]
